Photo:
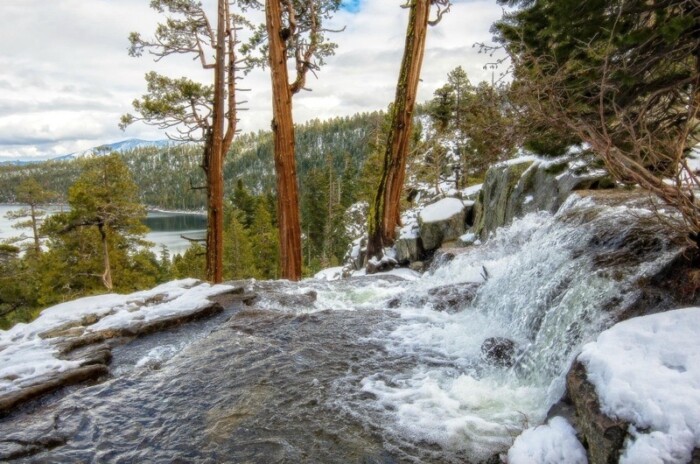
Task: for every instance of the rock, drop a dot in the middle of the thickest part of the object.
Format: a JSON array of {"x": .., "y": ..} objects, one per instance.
[
  {"x": 385, "y": 264},
  {"x": 408, "y": 249},
  {"x": 498, "y": 351},
  {"x": 603, "y": 436},
  {"x": 526, "y": 185},
  {"x": 69, "y": 377},
  {"x": 491, "y": 207},
  {"x": 441, "y": 221},
  {"x": 417, "y": 266},
  {"x": 453, "y": 298}
]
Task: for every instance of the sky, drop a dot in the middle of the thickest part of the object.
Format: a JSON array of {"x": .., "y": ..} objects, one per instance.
[{"x": 66, "y": 77}]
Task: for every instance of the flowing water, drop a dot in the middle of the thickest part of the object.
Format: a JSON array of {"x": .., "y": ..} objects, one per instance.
[{"x": 372, "y": 370}]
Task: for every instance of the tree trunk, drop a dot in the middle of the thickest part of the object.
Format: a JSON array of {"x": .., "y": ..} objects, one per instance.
[
  {"x": 385, "y": 210},
  {"x": 283, "y": 130},
  {"x": 35, "y": 230},
  {"x": 107, "y": 276},
  {"x": 215, "y": 163}
]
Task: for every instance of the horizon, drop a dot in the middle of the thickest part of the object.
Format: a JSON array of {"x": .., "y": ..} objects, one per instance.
[{"x": 66, "y": 76}]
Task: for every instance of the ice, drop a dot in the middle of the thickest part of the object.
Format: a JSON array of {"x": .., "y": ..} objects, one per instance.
[
  {"x": 551, "y": 443},
  {"x": 442, "y": 210},
  {"x": 646, "y": 371}
]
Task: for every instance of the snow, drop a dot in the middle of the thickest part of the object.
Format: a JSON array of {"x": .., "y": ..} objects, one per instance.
[
  {"x": 472, "y": 191},
  {"x": 646, "y": 371},
  {"x": 442, "y": 210},
  {"x": 332, "y": 273},
  {"x": 552, "y": 443},
  {"x": 26, "y": 355},
  {"x": 519, "y": 160}
]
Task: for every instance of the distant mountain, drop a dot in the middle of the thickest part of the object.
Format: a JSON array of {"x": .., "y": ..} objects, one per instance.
[
  {"x": 119, "y": 147},
  {"x": 18, "y": 162}
]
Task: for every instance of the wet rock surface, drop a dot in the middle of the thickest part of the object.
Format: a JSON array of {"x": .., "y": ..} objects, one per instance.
[
  {"x": 451, "y": 299},
  {"x": 259, "y": 388},
  {"x": 499, "y": 351},
  {"x": 603, "y": 436},
  {"x": 90, "y": 352}
]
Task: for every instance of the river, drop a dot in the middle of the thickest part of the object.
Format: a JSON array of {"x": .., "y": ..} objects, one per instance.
[{"x": 165, "y": 228}]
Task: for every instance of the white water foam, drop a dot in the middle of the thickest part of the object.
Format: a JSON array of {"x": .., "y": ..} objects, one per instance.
[{"x": 541, "y": 290}]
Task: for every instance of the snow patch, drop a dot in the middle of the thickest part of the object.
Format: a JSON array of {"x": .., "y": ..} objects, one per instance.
[
  {"x": 552, "y": 443},
  {"x": 442, "y": 210},
  {"x": 646, "y": 371},
  {"x": 26, "y": 356}
]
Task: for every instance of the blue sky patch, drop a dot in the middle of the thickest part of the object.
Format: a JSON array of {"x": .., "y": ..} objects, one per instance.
[{"x": 353, "y": 6}]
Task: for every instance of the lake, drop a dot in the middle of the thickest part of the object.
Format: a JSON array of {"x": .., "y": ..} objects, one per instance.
[{"x": 165, "y": 228}]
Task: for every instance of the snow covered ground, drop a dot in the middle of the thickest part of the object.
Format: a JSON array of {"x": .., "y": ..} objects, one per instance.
[{"x": 28, "y": 354}]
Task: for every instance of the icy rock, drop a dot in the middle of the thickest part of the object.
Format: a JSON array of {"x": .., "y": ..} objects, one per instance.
[
  {"x": 41, "y": 356},
  {"x": 441, "y": 222},
  {"x": 529, "y": 184}
]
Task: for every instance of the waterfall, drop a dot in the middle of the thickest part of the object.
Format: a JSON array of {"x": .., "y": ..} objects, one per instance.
[{"x": 549, "y": 283}]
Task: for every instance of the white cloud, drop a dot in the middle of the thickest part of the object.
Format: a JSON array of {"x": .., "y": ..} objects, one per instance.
[{"x": 65, "y": 76}]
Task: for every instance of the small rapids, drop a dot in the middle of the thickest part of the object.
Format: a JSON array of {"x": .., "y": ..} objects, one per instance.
[{"x": 371, "y": 369}]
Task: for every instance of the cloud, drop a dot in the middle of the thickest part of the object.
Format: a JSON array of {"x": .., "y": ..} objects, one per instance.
[{"x": 65, "y": 76}]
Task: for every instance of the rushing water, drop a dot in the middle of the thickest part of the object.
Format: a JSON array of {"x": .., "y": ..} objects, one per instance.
[
  {"x": 363, "y": 370},
  {"x": 165, "y": 228}
]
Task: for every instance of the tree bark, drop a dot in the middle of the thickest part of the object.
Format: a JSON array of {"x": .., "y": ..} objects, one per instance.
[
  {"x": 107, "y": 276},
  {"x": 283, "y": 130},
  {"x": 385, "y": 210},
  {"x": 215, "y": 165}
]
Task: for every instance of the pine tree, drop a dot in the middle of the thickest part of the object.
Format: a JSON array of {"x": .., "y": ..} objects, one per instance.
[
  {"x": 239, "y": 262},
  {"x": 206, "y": 113},
  {"x": 102, "y": 232},
  {"x": 293, "y": 29},
  {"x": 265, "y": 243},
  {"x": 31, "y": 193}
]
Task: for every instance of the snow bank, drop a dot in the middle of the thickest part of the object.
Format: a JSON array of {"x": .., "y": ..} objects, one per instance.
[
  {"x": 552, "y": 443},
  {"x": 646, "y": 371},
  {"x": 27, "y": 354},
  {"x": 442, "y": 210}
]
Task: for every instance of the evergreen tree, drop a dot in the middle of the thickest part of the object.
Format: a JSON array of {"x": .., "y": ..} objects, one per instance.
[
  {"x": 32, "y": 194},
  {"x": 293, "y": 29},
  {"x": 265, "y": 243},
  {"x": 622, "y": 76},
  {"x": 102, "y": 234},
  {"x": 385, "y": 208},
  {"x": 191, "y": 263},
  {"x": 239, "y": 262}
]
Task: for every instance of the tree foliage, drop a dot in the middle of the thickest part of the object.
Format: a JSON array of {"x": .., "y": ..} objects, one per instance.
[{"x": 623, "y": 76}]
